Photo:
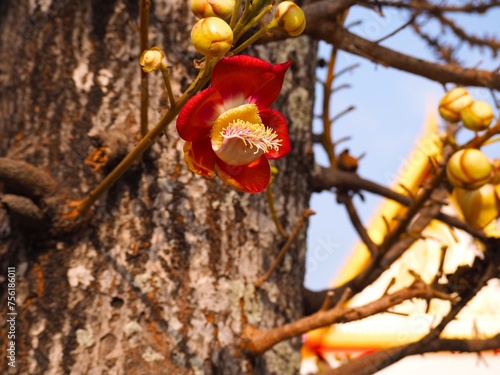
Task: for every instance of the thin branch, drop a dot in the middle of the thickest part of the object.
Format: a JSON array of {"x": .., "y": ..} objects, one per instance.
[
  {"x": 327, "y": 302},
  {"x": 433, "y": 8},
  {"x": 326, "y": 9},
  {"x": 369, "y": 363},
  {"x": 376, "y": 265},
  {"x": 491, "y": 43},
  {"x": 272, "y": 210},
  {"x": 144, "y": 45},
  {"x": 256, "y": 341},
  {"x": 327, "y": 178},
  {"x": 339, "y": 115},
  {"x": 403, "y": 26},
  {"x": 358, "y": 225},
  {"x": 349, "y": 42},
  {"x": 305, "y": 214}
]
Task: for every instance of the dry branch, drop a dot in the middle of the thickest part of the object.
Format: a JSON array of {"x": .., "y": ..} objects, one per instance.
[
  {"x": 374, "y": 362},
  {"x": 370, "y": 363},
  {"x": 349, "y": 42},
  {"x": 256, "y": 341}
]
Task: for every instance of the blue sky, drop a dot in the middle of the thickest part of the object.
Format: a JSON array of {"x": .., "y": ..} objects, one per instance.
[{"x": 391, "y": 108}]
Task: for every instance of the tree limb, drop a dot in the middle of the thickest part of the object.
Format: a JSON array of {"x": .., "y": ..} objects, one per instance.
[
  {"x": 370, "y": 362},
  {"x": 329, "y": 31},
  {"x": 256, "y": 341},
  {"x": 433, "y": 8},
  {"x": 328, "y": 178}
]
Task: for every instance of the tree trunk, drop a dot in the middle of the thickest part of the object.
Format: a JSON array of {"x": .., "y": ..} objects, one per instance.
[{"x": 159, "y": 280}]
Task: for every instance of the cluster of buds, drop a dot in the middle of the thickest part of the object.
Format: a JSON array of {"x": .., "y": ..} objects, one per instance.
[
  {"x": 476, "y": 186},
  {"x": 475, "y": 178},
  {"x": 211, "y": 35},
  {"x": 458, "y": 105}
]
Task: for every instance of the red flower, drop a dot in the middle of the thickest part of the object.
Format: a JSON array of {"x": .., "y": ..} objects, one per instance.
[{"x": 228, "y": 127}]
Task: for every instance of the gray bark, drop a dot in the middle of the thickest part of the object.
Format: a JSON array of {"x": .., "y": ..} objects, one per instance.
[{"x": 159, "y": 280}]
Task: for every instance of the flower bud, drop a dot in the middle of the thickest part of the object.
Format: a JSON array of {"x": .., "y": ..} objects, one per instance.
[
  {"x": 477, "y": 116},
  {"x": 469, "y": 169},
  {"x": 453, "y": 102},
  {"x": 212, "y": 8},
  {"x": 151, "y": 59},
  {"x": 480, "y": 206},
  {"x": 290, "y": 18},
  {"x": 212, "y": 36}
]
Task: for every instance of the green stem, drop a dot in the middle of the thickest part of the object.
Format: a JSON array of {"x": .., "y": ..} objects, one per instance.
[
  {"x": 234, "y": 16},
  {"x": 254, "y": 37},
  {"x": 143, "y": 40},
  {"x": 248, "y": 17},
  {"x": 166, "y": 79}
]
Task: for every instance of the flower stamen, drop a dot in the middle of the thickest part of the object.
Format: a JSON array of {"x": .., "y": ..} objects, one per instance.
[{"x": 253, "y": 135}]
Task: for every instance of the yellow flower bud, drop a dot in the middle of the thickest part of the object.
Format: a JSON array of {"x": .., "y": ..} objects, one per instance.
[
  {"x": 151, "y": 59},
  {"x": 469, "y": 169},
  {"x": 453, "y": 102},
  {"x": 212, "y": 8},
  {"x": 477, "y": 116},
  {"x": 290, "y": 18},
  {"x": 212, "y": 36},
  {"x": 479, "y": 207}
]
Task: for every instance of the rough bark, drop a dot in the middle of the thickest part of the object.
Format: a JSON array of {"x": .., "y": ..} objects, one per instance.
[{"x": 160, "y": 279}]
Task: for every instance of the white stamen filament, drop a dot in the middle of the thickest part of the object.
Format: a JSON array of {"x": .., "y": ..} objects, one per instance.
[{"x": 258, "y": 135}]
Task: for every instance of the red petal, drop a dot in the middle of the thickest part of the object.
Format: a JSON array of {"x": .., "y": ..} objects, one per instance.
[
  {"x": 199, "y": 157},
  {"x": 198, "y": 114},
  {"x": 250, "y": 178},
  {"x": 245, "y": 78},
  {"x": 276, "y": 121}
]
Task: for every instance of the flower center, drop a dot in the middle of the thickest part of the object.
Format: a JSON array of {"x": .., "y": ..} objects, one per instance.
[{"x": 239, "y": 136}]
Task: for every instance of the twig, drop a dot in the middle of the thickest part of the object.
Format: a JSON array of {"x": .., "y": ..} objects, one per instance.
[
  {"x": 327, "y": 301},
  {"x": 326, "y": 137},
  {"x": 406, "y": 24},
  {"x": 369, "y": 363},
  {"x": 168, "y": 85},
  {"x": 358, "y": 225},
  {"x": 256, "y": 341},
  {"x": 144, "y": 45},
  {"x": 305, "y": 214},
  {"x": 272, "y": 209},
  {"x": 339, "y": 115},
  {"x": 376, "y": 266}
]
